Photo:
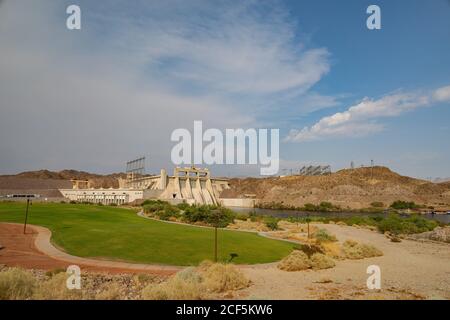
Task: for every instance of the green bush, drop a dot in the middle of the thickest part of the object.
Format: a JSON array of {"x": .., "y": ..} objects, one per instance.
[
  {"x": 254, "y": 217},
  {"x": 242, "y": 217},
  {"x": 361, "y": 220},
  {"x": 168, "y": 212},
  {"x": 271, "y": 223},
  {"x": 197, "y": 213},
  {"x": 322, "y": 235},
  {"x": 212, "y": 215},
  {"x": 183, "y": 206},
  {"x": 414, "y": 224},
  {"x": 221, "y": 217},
  {"x": 310, "y": 207},
  {"x": 151, "y": 206},
  {"x": 326, "y": 206},
  {"x": 401, "y": 205},
  {"x": 275, "y": 205}
]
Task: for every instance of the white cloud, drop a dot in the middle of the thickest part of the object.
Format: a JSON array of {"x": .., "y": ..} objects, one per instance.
[
  {"x": 230, "y": 49},
  {"x": 442, "y": 94},
  {"x": 93, "y": 98},
  {"x": 360, "y": 119}
]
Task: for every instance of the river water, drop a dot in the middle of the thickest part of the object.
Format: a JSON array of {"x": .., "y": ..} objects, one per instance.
[{"x": 445, "y": 218}]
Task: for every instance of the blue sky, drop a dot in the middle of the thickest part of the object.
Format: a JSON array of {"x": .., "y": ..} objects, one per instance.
[{"x": 95, "y": 98}]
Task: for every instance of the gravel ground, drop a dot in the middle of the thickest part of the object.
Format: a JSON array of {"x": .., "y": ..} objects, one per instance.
[{"x": 409, "y": 270}]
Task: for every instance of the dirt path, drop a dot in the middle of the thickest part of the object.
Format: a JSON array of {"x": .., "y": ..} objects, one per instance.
[
  {"x": 33, "y": 250},
  {"x": 409, "y": 270}
]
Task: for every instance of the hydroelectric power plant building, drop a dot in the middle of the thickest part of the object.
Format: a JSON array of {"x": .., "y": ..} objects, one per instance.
[{"x": 191, "y": 185}]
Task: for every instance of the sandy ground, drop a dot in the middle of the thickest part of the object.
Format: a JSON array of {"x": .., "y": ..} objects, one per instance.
[{"x": 409, "y": 270}]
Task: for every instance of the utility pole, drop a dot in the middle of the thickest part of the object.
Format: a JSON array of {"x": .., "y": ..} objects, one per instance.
[
  {"x": 371, "y": 170},
  {"x": 26, "y": 216}
]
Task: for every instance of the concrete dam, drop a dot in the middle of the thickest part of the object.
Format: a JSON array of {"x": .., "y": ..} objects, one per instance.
[{"x": 190, "y": 184}]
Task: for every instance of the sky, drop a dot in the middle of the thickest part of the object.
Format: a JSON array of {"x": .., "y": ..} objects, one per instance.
[{"x": 94, "y": 98}]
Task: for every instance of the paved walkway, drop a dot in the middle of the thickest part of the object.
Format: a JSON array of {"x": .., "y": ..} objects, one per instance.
[{"x": 21, "y": 250}]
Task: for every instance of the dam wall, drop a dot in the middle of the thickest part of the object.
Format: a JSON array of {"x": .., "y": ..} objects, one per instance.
[{"x": 191, "y": 185}]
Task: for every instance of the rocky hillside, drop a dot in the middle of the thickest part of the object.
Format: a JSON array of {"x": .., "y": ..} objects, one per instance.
[
  {"x": 353, "y": 188},
  {"x": 50, "y": 179}
]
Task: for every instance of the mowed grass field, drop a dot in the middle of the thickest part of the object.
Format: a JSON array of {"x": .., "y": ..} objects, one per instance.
[{"x": 119, "y": 234}]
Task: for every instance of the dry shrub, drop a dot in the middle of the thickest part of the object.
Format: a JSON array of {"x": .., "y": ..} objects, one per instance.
[
  {"x": 185, "y": 285},
  {"x": 56, "y": 289},
  {"x": 191, "y": 274},
  {"x": 143, "y": 279},
  {"x": 52, "y": 272},
  {"x": 196, "y": 283},
  {"x": 204, "y": 265},
  {"x": 322, "y": 235},
  {"x": 321, "y": 261},
  {"x": 296, "y": 261},
  {"x": 332, "y": 249},
  {"x": 286, "y": 225},
  {"x": 355, "y": 250},
  {"x": 16, "y": 284},
  {"x": 309, "y": 248},
  {"x": 369, "y": 251},
  {"x": 110, "y": 291},
  {"x": 224, "y": 277},
  {"x": 248, "y": 225}
]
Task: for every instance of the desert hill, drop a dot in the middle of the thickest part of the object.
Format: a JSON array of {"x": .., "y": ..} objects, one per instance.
[
  {"x": 353, "y": 188},
  {"x": 45, "y": 179}
]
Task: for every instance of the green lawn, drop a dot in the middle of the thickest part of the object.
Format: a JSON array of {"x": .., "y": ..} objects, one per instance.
[{"x": 117, "y": 233}]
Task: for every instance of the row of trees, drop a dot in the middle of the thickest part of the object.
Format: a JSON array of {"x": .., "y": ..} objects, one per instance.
[{"x": 208, "y": 214}]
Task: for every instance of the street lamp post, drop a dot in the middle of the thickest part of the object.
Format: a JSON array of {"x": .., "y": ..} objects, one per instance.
[
  {"x": 216, "y": 223},
  {"x": 215, "y": 243},
  {"x": 26, "y": 216}
]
